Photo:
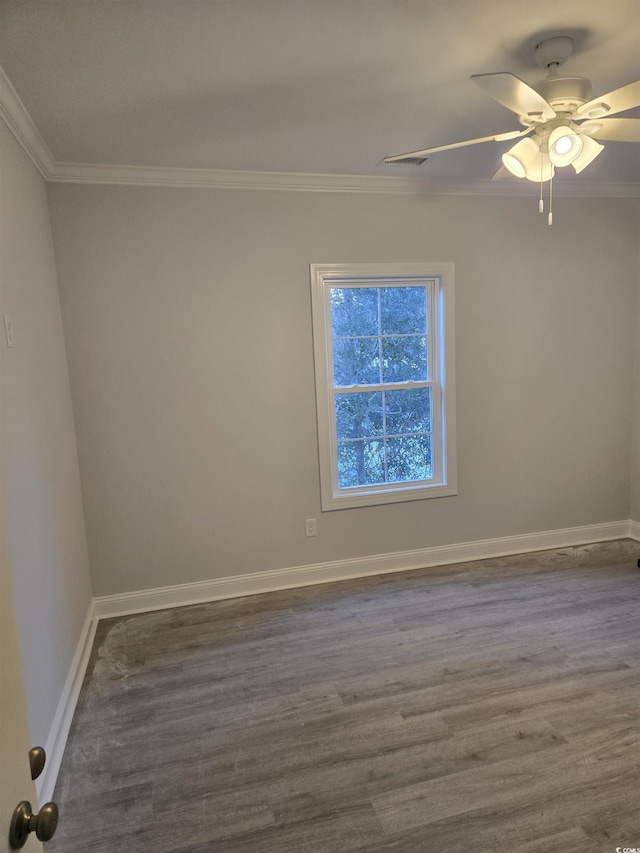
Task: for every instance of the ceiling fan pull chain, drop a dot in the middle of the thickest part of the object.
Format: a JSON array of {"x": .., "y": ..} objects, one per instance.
[
  {"x": 550, "y": 219},
  {"x": 541, "y": 202}
]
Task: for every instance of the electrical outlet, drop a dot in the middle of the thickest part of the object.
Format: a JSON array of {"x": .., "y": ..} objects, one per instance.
[{"x": 310, "y": 527}]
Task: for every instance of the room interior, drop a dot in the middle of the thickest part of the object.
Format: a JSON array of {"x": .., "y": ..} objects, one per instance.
[{"x": 168, "y": 174}]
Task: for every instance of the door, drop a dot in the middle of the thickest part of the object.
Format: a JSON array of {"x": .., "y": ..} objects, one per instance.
[{"x": 15, "y": 775}]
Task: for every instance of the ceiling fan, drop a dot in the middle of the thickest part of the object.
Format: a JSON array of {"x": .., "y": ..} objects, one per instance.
[{"x": 561, "y": 122}]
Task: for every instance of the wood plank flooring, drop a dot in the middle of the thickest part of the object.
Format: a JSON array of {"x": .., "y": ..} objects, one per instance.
[{"x": 490, "y": 706}]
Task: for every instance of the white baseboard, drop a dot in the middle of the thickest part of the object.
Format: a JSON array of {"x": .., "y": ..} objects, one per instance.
[
  {"x": 634, "y": 530},
  {"x": 59, "y": 731},
  {"x": 401, "y": 561}
]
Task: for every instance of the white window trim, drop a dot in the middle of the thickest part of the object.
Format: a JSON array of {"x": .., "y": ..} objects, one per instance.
[{"x": 325, "y": 276}]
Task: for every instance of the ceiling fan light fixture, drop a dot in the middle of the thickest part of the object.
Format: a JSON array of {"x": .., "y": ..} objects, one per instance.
[
  {"x": 541, "y": 169},
  {"x": 590, "y": 150},
  {"x": 565, "y": 145},
  {"x": 513, "y": 165},
  {"x": 518, "y": 159}
]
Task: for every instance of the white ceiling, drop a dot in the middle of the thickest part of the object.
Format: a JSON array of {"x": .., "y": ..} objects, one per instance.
[{"x": 310, "y": 86}]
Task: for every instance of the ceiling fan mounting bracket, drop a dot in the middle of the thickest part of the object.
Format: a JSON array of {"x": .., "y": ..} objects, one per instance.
[{"x": 551, "y": 53}]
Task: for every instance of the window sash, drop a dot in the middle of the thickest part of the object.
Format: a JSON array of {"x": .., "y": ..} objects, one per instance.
[{"x": 435, "y": 433}]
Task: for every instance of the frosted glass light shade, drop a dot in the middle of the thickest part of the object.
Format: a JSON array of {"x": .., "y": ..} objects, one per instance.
[
  {"x": 541, "y": 169},
  {"x": 590, "y": 150},
  {"x": 565, "y": 146},
  {"x": 518, "y": 158}
]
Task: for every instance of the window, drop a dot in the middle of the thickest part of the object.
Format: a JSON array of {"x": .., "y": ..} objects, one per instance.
[{"x": 383, "y": 346}]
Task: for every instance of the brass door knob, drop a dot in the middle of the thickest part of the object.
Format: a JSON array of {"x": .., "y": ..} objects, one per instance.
[
  {"x": 24, "y": 821},
  {"x": 37, "y": 759}
]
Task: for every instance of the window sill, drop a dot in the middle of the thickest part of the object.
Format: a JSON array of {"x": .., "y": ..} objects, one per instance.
[{"x": 374, "y": 497}]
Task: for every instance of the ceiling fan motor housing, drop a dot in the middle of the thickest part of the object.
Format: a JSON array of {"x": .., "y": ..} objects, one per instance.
[{"x": 565, "y": 94}]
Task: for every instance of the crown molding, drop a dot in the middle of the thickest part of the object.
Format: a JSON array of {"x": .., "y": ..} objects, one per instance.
[
  {"x": 15, "y": 116},
  {"x": 226, "y": 179},
  {"x": 231, "y": 179}
]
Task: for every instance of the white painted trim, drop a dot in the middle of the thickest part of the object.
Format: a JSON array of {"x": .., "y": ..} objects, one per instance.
[
  {"x": 229, "y": 179},
  {"x": 59, "y": 731},
  {"x": 437, "y": 279},
  {"x": 400, "y": 185},
  {"x": 402, "y": 561},
  {"x": 15, "y": 116},
  {"x": 634, "y": 531}
]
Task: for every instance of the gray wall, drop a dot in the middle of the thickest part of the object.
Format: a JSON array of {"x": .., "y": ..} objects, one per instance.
[
  {"x": 45, "y": 539},
  {"x": 188, "y": 327}
]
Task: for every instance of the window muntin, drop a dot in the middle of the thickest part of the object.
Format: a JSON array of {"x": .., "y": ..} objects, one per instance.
[{"x": 380, "y": 357}]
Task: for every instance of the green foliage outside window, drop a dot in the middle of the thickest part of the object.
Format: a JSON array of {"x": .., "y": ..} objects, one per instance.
[{"x": 380, "y": 339}]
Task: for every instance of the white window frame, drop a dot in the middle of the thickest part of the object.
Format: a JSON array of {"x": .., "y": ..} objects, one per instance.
[{"x": 439, "y": 280}]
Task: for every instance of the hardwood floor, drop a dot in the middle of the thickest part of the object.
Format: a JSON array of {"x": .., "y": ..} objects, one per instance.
[{"x": 490, "y": 706}]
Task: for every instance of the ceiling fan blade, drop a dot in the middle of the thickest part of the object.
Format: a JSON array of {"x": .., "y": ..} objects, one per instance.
[
  {"x": 500, "y": 137},
  {"x": 617, "y": 129},
  {"x": 625, "y": 98},
  {"x": 501, "y": 174},
  {"x": 515, "y": 94}
]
